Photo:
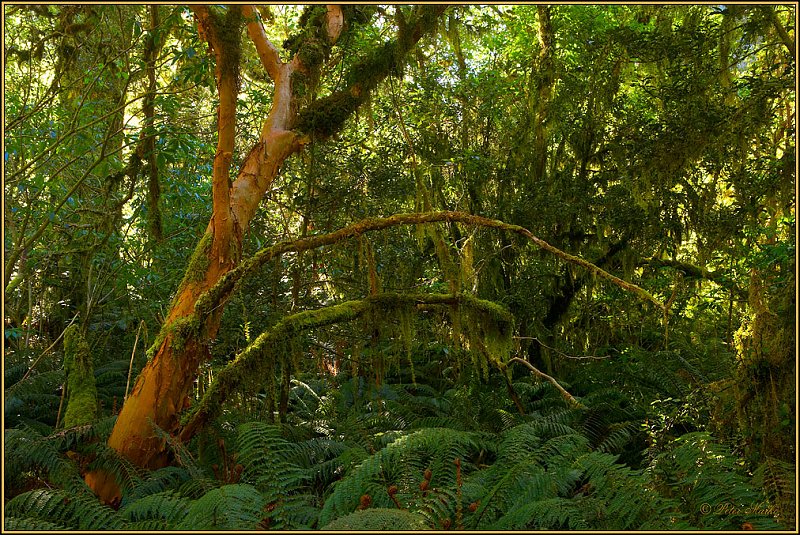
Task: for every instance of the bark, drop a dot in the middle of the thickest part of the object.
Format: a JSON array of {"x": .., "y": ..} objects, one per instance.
[{"x": 163, "y": 387}]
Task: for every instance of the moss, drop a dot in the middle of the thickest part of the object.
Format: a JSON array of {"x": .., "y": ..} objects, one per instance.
[
  {"x": 198, "y": 265},
  {"x": 180, "y": 329},
  {"x": 325, "y": 117},
  {"x": 229, "y": 32},
  {"x": 378, "y": 519},
  {"x": 281, "y": 345},
  {"x": 81, "y": 388}
]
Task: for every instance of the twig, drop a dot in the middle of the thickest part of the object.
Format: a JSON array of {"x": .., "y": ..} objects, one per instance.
[
  {"x": 133, "y": 353},
  {"x": 49, "y": 348},
  {"x": 61, "y": 403},
  {"x": 595, "y": 357},
  {"x": 567, "y": 396}
]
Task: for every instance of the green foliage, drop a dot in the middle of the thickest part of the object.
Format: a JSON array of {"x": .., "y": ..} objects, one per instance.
[
  {"x": 266, "y": 456},
  {"x": 230, "y": 507},
  {"x": 657, "y": 142}
]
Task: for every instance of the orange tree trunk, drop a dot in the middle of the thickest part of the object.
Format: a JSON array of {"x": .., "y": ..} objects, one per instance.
[{"x": 163, "y": 387}]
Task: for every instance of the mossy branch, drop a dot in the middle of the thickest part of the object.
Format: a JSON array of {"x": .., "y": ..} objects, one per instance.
[
  {"x": 211, "y": 299},
  {"x": 697, "y": 272},
  {"x": 256, "y": 358},
  {"x": 326, "y": 116}
]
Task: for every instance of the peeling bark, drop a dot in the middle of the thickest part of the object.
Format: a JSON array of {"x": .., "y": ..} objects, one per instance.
[{"x": 162, "y": 388}]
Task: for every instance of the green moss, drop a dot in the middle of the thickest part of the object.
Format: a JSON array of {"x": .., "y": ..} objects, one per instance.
[
  {"x": 282, "y": 344},
  {"x": 198, "y": 264},
  {"x": 378, "y": 519},
  {"x": 180, "y": 329},
  {"x": 81, "y": 388},
  {"x": 325, "y": 117},
  {"x": 229, "y": 31}
]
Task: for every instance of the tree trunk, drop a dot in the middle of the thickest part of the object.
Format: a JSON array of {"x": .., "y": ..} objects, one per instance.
[{"x": 163, "y": 387}]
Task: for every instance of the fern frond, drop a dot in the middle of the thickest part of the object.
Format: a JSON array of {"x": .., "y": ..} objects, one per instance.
[
  {"x": 707, "y": 477},
  {"x": 265, "y": 454},
  {"x": 30, "y": 524},
  {"x": 402, "y": 464},
  {"x": 26, "y": 449},
  {"x": 230, "y": 507},
  {"x": 378, "y": 519},
  {"x": 777, "y": 480},
  {"x": 76, "y": 511},
  {"x": 158, "y": 510}
]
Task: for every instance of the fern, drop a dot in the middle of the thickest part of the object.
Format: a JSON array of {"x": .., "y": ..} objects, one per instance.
[
  {"x": 230, "y": 507},
  {"x": 27, "y": 450},
  {"x": 265, "y": 455},
  {"x": 705, "y": 476},
  {"x": 73, "y": 510},
  {"x": 403, "y": 464},
  {"x": 378, "y": 519},
  {"x": 160, "y": 510},
  {"x": 777, "y": 479},
  {"x": 30, "y": 524}
]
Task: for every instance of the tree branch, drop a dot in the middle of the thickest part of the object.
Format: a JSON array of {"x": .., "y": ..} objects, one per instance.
[
  {"x": 326, "y": 116},
  {"x": 251, "y": 360},
  {"x": 270, "y": 57},
  {"x": 567, "y": 396},
  {"x": 214, "y": 29},
  {"x": 697, "y": 272},
  {"x": 787, "y": 40},
  {"x": 225, "y": 285}
]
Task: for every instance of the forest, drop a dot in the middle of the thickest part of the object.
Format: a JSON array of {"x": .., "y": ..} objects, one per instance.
[{"x": 410, "y": 267}]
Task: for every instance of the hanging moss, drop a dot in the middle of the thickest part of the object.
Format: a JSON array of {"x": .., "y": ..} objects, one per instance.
[
  {"x": 81, "y": 388},
  {"x": 280, "y": 345}
]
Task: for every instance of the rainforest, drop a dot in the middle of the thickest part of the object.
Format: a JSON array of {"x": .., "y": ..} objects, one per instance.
[{"x": 410, "y": 267}]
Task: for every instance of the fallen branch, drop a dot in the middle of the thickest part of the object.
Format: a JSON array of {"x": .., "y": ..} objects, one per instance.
[{"x": 567, "y": 396}]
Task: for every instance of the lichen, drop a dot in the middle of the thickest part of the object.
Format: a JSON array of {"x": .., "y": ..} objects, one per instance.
[{"x": 81, "y": 388}]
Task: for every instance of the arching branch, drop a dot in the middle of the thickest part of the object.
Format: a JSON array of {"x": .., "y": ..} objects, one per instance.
[
  {"x": 251, "y": 362},
  {"x": 226, "y": 284}
]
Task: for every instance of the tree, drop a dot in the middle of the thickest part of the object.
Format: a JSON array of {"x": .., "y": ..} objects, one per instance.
[{"x": 162, "y": 388}]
